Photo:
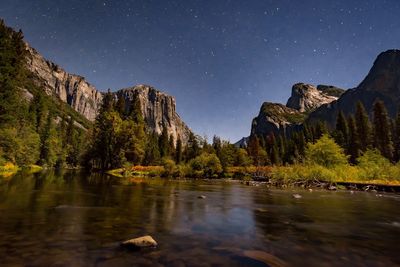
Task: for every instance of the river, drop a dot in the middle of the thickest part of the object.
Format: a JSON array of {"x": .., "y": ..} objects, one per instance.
[{"x": 76, "y": 219}]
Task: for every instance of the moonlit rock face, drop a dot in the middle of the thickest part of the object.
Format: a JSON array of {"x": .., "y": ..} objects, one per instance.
[
  {"x": 158, "y": 108},
  {"x": 382, "y": 82},
  {"x": 306, "y": 97},
  {"x": 275, "y": 118},
  {"x": 69, "y": 88},
  {"x": 158, "y": 111}
]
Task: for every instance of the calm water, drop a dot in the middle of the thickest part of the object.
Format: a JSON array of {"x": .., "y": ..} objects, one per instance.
[{"x": 67, "y": 219}]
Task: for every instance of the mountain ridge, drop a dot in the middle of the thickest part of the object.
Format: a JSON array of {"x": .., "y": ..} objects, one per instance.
[
  {"x": 382, "y": 82},
  {"x": 86, "y": 99}
]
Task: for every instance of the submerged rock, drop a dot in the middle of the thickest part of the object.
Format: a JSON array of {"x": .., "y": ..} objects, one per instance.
[
  {"x": 140, "y": 242},
  {"x": 297, "y": 196},
  {"x": 264, "y": 257},
  {"x": 201, "y": 197}
]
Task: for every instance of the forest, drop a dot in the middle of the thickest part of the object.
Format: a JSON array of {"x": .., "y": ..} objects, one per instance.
[{"x": 40, "y": 131}]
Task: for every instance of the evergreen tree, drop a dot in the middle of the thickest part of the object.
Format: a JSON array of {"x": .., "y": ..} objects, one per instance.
[
  {"x": 256, "y": 152},
  {"x": 136, "y": 110},
  {"x": 341, "y": 133},
  {"x": 354, "y": 147},
  {"x": 382, "y": 135},
  {"x": 152, "y": 153},
  {"x": 192, "y": 148},
  {"x": 363, "y": 127},
  {"x": 274, "y": 155},
  {"x": 12, "y": 54},
  {"x": 178, "y": 151},
  {"x": 319, "y": 130},
  {"x": 171, "y": 146},
  {"x": 396, "y": 137},
  {"x": 121, "y": 106},
  {"x": 164, "y": 143}
]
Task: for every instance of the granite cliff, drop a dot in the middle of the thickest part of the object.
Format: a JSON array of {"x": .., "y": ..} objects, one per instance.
[
  {"x": 382, "y": 82},
  {"x": 305, "y": 98},
  {"x": 158, "y": 108},
  {"x": 322, "y": 103}
]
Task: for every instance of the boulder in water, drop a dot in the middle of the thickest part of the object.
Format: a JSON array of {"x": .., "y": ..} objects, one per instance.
[{"x": 140, "y": 242}]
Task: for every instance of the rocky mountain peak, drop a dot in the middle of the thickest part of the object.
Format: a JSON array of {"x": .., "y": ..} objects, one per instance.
[
  {"x": 70, "y": 88},
  {"x": 384, "y": 75},
  {"x": 275, "y": 118},
  {"x": 306, "y": 97},
  {"x": 158, "y": 108}
]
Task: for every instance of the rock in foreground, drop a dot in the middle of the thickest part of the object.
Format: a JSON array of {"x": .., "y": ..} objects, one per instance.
[{"x": 140, "y": 242}]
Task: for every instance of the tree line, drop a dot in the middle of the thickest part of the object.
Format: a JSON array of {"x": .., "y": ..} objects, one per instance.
[
  {"x": 47, "y": 132},
  {"x": 355, "y": 134},
  {"x": 40, "y": 131}
]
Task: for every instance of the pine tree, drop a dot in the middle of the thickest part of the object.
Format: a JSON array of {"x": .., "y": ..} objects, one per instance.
[
  {"x": 319, "y": 130},
  {"x": 171, "y": 146},
  {"x": 192, "y": 148},
  {"x": 135, "y": 111},
  {"x": 121, "y": 106},
  {"x": 12, "y": 55},
  {"x": 152, "y": 153},
  {"x": 164, "y": 143},
  {"x": 178, "y": 151},
  {"x": 382, "y": 135},
  {"x": 341, "y": 133},
  {"x": 354, "y": 147},
  {"x": 274, "y": 155},
  {"x": 363, "y": 127},
  {"x": 396, "y": 138},
  {"x": 256, "y": 152}
]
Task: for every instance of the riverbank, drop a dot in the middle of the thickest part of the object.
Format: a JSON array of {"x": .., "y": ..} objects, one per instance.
[
  {"x": 9, "y": 169},
  {"x": 384, "y": 178},
  {"x": 299, "y": 175}
]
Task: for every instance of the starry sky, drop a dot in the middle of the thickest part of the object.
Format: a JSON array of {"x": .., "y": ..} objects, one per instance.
[{"x": 221, "y": 59}]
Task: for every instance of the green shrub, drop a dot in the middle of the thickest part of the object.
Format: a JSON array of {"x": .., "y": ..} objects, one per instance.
[
  {"x": 207, "y": 165},
  {"x": 374, "y": 165},
  {"x": 325, "y": 152}
]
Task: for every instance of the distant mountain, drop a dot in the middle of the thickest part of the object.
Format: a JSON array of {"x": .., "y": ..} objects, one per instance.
[
  {"x": 306, "y": 97},
  {"x": 242, "y": 142},
  {"x": 382, "y": 82},
  {"x": 158, "y": 108},
  {"x": 322, "y": 103}
]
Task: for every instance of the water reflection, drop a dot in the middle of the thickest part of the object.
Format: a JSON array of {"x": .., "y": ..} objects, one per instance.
[{"x": 75, "y": 219}]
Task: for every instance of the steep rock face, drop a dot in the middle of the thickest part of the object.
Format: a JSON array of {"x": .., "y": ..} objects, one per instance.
[
  {"x": 158, "y": 110},
  {"x": 306, "y": 97},
  {"x": 275, "y": 118},
  {"x": 382, "y": 82},
  {"x": 331, "y": 90},
  {"x": 70, "y": 88}
]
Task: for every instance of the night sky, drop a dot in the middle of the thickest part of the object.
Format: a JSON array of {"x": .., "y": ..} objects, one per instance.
[{"x": 221, "y": 59}]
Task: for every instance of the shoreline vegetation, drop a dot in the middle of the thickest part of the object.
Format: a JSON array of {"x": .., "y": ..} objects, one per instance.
[
  {"x": 42, "y": 133},
  {"x": 300, "y": 175}
]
